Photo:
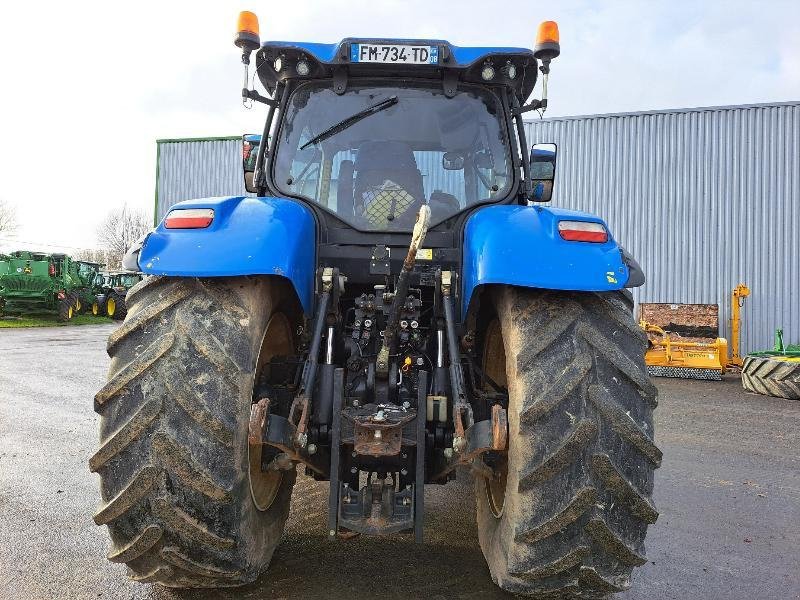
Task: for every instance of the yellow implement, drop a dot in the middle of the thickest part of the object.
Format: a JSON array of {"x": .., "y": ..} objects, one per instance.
[
  {"x": 668, "y": 357},
  {"x": 740, "y": 292},
  {"x": 671, "y": 357}
]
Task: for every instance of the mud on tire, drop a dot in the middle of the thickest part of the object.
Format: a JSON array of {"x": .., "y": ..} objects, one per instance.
[
  {"x": 577, "y": 501},
  {"x": 772, "y": 376},
  {"x": 173, "y": 459}
]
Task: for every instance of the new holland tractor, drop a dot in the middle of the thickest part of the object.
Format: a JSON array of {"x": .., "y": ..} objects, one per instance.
[{"x": 396, "y": 301}]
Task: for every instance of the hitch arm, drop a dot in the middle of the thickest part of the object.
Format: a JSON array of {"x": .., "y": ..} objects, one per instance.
[
  {"x": 301, "y": 402},
  {"x": 484, "y": 436},
  {"x": 461, "y": 407}
]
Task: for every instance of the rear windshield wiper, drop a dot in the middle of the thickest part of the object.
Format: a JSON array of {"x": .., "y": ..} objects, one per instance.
[{"x": 351, "y": 120}]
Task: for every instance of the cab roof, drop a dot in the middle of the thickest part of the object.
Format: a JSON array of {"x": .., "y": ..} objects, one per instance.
[{"x": 459, "y": 63}]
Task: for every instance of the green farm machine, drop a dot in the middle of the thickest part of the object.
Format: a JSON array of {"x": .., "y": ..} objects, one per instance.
[
  {"x": 89, "y": 280},
  {"x": 110, "y": 292},
  {"x": 33, "y": 282}
]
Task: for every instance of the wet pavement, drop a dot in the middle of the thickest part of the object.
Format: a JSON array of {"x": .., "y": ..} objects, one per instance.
[{"x": 728, "y": 493}]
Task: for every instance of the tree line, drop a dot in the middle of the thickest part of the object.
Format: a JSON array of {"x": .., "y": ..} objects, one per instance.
[{"x": 120, "y": 229}]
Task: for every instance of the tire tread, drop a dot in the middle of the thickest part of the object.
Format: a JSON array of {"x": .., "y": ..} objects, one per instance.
[
  {"x": 171, "y": 464},
  {"x": 769, "y": 376},
  {"x": 585, "y": 481}
]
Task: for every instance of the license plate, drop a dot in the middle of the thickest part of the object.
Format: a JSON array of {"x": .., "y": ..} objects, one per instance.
[{"x": 394, "y": 54}]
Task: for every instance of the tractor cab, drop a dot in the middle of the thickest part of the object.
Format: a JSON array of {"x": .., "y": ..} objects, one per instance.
[
  {"x": 369, "y": 131},
  {"x": 88, "y": 272}
]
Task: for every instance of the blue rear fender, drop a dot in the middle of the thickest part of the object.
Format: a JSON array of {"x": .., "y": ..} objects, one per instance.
[
  {"x": 520, "y": 245},
  {"x": 248, "y": 236}
]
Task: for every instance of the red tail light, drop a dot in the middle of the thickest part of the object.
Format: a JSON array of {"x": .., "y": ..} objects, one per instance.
[
  {"x": 582, "y": 231},
  {"x": 189, "y": 218}
]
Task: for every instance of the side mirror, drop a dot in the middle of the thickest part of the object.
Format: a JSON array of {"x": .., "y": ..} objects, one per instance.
[
  {"x": 452, "y": 161},
  {"x": 543, "y": 171},
  {"x": 250, "y": 144}
]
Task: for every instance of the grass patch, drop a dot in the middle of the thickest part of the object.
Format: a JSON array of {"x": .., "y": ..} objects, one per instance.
[{"x": 49, "y": 320}]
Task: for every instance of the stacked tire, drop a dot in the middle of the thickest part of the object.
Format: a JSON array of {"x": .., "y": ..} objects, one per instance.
[{"x": 772, "y": 375}]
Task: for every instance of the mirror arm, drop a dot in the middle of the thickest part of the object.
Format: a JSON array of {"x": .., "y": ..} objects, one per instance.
[
  {"x": 259, "y": 179},
  {"x": 254, "y": 95},
  {"x": 535, "y": 105}
]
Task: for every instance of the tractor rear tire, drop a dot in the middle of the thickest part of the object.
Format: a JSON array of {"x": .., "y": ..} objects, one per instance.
[
  {"x": 66, "y": 309},
  {"x": 568, "y": 516},
  {"x": 116, "y": 307},
  {"x": 73, "y": 297},
  {"x": 772, "y": 376},
  {"x": 101, "y": 305},
  {"x": 178, "y": 484},
  {"x": 81, "y": 296}
]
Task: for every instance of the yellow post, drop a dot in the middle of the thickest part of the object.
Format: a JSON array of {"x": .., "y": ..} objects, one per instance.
[{"x": 740, "y": 292}]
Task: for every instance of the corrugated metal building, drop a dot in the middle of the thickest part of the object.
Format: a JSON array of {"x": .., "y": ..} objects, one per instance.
[
  {"x": 205, "y": 167},
  {"x": 705, "y": 198},
  {"x": 197, "y": 168}
]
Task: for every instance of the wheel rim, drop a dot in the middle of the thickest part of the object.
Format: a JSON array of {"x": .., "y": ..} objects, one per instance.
[
  {"x": 494, "y": 367},
  {"x": 69, "y": 312},
  {"x": 277, "y": 341},
  {"x": 111, "y": 307},
  {"x": 77, "y": 305},
  {"x": 95, "y": 309}
]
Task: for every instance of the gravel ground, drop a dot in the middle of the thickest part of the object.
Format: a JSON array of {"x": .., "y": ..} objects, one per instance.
[{"x": 728, "y": 492}]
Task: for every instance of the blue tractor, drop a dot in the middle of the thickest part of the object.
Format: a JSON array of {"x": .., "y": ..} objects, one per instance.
[{"x": 395, "y": 301}]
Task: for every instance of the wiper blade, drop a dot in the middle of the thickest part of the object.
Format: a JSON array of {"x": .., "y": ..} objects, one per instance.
[{"x": 351, "y": 120}]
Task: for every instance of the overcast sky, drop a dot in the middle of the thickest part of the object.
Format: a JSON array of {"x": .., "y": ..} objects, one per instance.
[{"x": 87, "y": 87}]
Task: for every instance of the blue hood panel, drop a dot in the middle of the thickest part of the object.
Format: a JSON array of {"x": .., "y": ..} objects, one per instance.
[
  {"x": 249, "y": 236},
  {"x": 520, "y": 245},
  {"x": 462, "y": 61},
  {"x": 463, "y": 56}
]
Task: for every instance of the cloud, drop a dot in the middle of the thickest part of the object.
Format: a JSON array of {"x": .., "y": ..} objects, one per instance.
[{"x": 89, "y": 90}]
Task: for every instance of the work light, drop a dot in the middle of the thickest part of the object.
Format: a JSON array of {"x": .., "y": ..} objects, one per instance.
[
  {"x": 247, "y": 35},
  {"x": 547, "y": 41},
  {"x": 189, "y": 218},
  {"x": 582, "y": 231}
]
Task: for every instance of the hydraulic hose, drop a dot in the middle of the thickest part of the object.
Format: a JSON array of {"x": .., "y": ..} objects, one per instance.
[{"x": 401, "y": 289}]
